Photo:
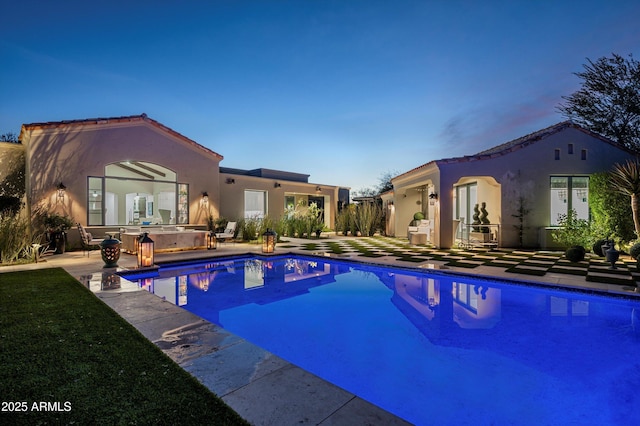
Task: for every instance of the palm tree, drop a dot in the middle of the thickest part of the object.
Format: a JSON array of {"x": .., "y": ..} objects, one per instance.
[{"x": 625, "y": 178}]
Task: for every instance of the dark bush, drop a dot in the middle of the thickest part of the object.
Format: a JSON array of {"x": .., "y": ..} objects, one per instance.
[
  {"x": 597, "y": 247},
  {"x": 634, "y": 251},
  {"x": 575, "y": 253}
]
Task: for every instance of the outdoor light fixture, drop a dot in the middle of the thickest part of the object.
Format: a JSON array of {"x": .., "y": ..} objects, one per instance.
[
  {"x": 205, "y": 199},
  {"x": 145, "y": 251},
  {"x": 212, "y": 241},
  {"x": 268, "y": 241},
  {"x": 433, "y": 196},
  {"x": 277, "y": 185},
  {"x": 231, "y": 180},
  {"x": 61, "y": 190},
  {"x": 318, "y": 188}
]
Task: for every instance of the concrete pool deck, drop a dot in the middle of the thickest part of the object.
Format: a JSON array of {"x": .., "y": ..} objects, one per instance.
[{"x": 263, "y": 388}]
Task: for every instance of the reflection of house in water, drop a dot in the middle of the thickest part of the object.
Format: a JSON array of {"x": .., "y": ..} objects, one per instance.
[
  {"x": 439, "y": 307},
  {"x": 241, "y": 282},
  {"x": 528, "y": 325}
]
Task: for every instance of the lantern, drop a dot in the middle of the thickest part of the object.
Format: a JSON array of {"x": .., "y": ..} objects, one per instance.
[
  {"x": 212, "y": 242},
  {"x": 61, "y": 189},
  {"x": 145, "y": 251},
  {"x": 268, "y": 241}
]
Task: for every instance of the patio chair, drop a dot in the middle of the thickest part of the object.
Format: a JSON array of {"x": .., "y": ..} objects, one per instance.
[
  {"x": 229, "y": 232},
  {"x": 87, "y": 241}
]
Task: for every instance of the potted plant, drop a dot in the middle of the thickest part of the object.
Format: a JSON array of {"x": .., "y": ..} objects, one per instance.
[{"x": 56, "y": 226}]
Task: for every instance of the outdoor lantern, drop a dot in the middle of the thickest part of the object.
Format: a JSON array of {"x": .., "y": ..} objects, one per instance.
[
  {"x": 212, "y": 242},
  {"x": 61, "y": 190},
  {"x": 268, "y": 241},
  {"x": 145, "y": 251}
]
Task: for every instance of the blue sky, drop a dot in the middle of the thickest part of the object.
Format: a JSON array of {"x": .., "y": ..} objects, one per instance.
[{"x": 342, "y": 90}]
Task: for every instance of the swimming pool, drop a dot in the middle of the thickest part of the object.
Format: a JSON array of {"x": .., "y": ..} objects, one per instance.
[{"x": 430, "y": 347}]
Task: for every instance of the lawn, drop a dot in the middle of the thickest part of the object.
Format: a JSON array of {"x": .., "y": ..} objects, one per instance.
[{"x": 65, "y": 357}]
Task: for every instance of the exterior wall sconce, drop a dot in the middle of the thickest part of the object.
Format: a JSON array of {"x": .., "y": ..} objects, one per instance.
[
  {"x": 433, "y": 197},
  {"x": 145, "y": 251},
  {"x": 277, "y": 185},
  {"x": 231, "y": 180},
  {"x": 318, "y": 188},
  {"x": 204, "y": 201},
  {"x": 212, "y": 241},
  {"x": 268, "y": 241},
  {"x": 61, "y": 191}
]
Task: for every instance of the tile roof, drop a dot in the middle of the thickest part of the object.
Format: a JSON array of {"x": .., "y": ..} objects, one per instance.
[{"x": 124, "y": 119}]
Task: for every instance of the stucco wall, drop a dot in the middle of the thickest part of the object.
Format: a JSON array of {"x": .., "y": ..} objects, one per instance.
[
  {"x": 70, "y": 154},
  {"x": 233, "y": 195},
  {"x": 526, "y": 172}
]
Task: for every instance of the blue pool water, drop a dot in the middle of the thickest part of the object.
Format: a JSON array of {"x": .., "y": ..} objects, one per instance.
[{"x": 432, "y": 348}]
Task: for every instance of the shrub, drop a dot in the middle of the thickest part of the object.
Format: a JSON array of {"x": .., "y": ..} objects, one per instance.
[
  {"x": 418, "y": 216},
  {"x": 367, "y": 218},
  {"x": 342, "y": 221},
  {"x": 634, "y": 251},
  {"x": 14, "y": 237},
  {"x": 250, "y": 228},
  {"x": 610, "y": 210},
  {"x": 571, "y": 231},
  {"x": 597, "y": 246},
  {"x": 575, "y": 254}
]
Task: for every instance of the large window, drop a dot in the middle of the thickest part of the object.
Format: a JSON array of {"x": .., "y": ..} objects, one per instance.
[
  {"x": 466, "y": 199},
  {"x": 136, "y": 193},
  {"x": 569, "y": 193},
  {"x": 255, "y": 204}
]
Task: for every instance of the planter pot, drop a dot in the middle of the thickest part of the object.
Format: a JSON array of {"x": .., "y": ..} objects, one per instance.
[
  {"x": 59, "y": 240},
  {"x": 612, "y": 255},
  {"x": 110, "y": 251}
]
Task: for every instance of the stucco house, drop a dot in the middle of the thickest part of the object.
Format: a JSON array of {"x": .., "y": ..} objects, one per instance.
[
  {"x": 106, "y": 173},
  {"x": 546, "y": 172}
]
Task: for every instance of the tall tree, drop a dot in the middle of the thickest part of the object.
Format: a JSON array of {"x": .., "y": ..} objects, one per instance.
[
  {"x": 608, "y": 102},
  {"x": 625, "y": 178}
]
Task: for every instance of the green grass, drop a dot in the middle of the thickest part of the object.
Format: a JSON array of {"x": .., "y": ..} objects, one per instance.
[{"x": 60, "y": 343}]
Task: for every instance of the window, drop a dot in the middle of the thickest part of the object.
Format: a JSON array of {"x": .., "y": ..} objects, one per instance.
[
  {"x": 94, "y": 201},
  {"x": 557, "y": 154},
  {"x": 466, "y": 198},
  {"x": 183, "y": 203},
  {"x": 583, "y": 154},
  {"x": 255, "y": 203},
  {"x": 569, "y": 193},
  {"x": 136, "y": 193},
  {"x": 570, "y": 149}
]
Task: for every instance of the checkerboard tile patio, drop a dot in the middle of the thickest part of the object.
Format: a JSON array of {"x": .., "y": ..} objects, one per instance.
[{"x": 514, "y": 261}]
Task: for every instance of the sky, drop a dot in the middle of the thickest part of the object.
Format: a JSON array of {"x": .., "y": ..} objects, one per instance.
[{"x": 343, "y": 90}]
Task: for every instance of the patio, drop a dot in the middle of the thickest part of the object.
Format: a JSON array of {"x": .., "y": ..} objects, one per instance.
[{"x": 265, "y": 389}]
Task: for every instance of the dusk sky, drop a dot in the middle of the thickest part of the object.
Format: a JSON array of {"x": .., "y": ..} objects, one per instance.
[{"x": 342, "y": 90}]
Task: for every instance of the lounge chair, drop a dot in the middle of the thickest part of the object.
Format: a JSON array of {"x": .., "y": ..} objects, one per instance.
[
  {"x": 86, "y": 239},
  {"x": 229, "y": 232}
]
